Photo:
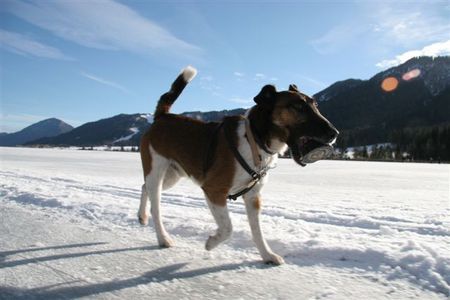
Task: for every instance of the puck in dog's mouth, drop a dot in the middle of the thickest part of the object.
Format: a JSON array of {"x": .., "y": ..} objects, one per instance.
[
  {"x": 318, "y": 153},
  {"x": 307, "y": 151}
]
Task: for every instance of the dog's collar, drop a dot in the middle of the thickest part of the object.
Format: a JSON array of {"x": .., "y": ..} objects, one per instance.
[{"x": 256, "y": 138}]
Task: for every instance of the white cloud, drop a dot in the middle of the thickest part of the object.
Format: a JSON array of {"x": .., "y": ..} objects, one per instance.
[
  {"x": 312, "y": 82},
  {"x": 101, "y": 24},
  {"x": 207, "y": 83},
  {"x": 105, "y": 82},
  {"x": 260, "y": 76},
  {"x": 241, "y": 100},
  {"x": 337, "y": 38},
  {"x": 207, "y": 78},
  {"x": 383, "y": 27},
  {"x": 238, "y": 74},
  {"x": 436, "y": 49},
  {"x": 419, "y": 22},
  {"x": 24, "y": 45}
]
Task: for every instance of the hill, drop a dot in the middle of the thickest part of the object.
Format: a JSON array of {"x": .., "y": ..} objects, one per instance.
[
  {"x": 46, "y": 128},
  {"x": 123, "y": 129},
  {"x": 407, "y": 105},
  {"x": 365, "y": 113},
  {"x": 119, "y": 130}
]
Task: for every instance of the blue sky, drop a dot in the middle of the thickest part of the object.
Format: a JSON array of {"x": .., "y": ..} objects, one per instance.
[{"x": 86, "y": 60}]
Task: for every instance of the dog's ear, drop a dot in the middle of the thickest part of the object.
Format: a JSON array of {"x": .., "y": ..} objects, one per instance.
[
  {"x": 293, "y": 88},
  {"x": 266, "y": 96}
]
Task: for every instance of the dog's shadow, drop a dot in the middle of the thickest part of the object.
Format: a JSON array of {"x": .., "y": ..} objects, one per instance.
[
  {"x": 70, "y": 291},
  {"x": 160, "y": 275},
  {"x": 25, "y": 261}
]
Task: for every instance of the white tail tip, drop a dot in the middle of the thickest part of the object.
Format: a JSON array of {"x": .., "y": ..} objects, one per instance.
[{"x": 189, "y": 73}]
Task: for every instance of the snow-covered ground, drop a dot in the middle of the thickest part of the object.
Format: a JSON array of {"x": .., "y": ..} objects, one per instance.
[{"x": 347, "y": 230}]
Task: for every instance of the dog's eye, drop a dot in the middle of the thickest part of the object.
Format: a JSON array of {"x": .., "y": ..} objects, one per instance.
[{"x": 313, "y": 102}]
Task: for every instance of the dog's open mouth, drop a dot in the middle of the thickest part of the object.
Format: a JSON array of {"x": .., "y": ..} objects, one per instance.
[{"x": 307, "y": 150}]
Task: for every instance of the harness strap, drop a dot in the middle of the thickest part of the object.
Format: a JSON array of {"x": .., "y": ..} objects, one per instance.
[
  {"x": 251, "y": 140},
  {"x": 256, "y": 177},
  {"x": 238, "y": 156},
  {"x": 244, "y": 191}
]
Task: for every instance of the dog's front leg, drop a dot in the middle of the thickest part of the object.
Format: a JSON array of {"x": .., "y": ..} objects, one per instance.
[
  {"x": 253, "y": 206},
  {"x": 217, "y": 203}
]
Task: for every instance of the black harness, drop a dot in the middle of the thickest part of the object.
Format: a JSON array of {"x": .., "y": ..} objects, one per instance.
[
  {"x": 228, "y": 133},
  {"x": 256, "y": 176}
]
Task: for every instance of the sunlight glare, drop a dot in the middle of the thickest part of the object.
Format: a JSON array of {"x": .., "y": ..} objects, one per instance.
[
  {"x": 411, "y": 74},
  {"x": 389, "y": 84}
]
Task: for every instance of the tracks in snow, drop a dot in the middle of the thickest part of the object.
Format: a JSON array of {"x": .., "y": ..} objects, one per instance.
[
  {"x": 96, "y": 201},
  {"x": 303, "y": 237}
]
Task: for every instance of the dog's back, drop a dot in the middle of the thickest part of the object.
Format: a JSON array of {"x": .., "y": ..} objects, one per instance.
[{"x": 188, "y": 142}]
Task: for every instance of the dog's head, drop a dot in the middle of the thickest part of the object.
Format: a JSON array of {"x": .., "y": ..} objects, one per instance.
[{"x": 295, "y": 119}]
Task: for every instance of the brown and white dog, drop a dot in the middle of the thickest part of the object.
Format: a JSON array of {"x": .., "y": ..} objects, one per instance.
[{"x": 176, "y": 146}]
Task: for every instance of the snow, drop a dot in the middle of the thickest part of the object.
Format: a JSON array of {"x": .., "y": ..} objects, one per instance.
[
  {"x": 347, "y": 230},
  {"x": 149, "y": 118},
  {"x": 133, "y": 130},
  {"x": 350, "y": 151}
]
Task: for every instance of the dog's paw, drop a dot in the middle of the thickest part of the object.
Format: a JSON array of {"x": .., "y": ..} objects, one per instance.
[
  {"x": 166, "y": 242},
  {"x": 212, "y": 242},
  {"x": 273, "y": 259},
  {"x": 143, "y": 220}
]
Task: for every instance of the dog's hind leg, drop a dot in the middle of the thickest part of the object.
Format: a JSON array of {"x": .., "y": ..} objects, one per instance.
[
  {"x": 144, "y": 210},
  {"x": 218, "y": 205},
  {"x": 153, "y": 183},
  {"x": 253, "y": 207}
]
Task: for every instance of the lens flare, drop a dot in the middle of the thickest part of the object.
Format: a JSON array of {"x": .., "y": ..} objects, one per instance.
[
  {"x": 389, "y": 84},
  {"x": 411, "y": 74}
]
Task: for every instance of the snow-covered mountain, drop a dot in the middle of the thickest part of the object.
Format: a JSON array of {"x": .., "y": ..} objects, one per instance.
[
  {"x": 45, "y": 128},
  {"x": 337, "y": 88},
  {"x": 366, "y": 114},
  {"x": 118, "y": 130},
  {"x": 434, "y": 72},
  {"x": 123, "y": 129},
  {"x": 360, "y": 109},
  {"x": 213, "y": 116}
]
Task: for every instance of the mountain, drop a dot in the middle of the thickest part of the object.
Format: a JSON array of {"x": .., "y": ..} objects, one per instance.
[
  {"x": 415, "y": 108},
  {"x": 46, "y": 128},
  {"x": 123, "y": 129},
  {"x": 336, "y": 89},
  {"x": 367, "y": 114},
  {"x": 214, "y": 116},
  {"x": 119, "y": 130}
]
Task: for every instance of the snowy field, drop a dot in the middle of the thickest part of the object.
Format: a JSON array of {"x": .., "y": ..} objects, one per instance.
[{"x": 347, "y": 230}]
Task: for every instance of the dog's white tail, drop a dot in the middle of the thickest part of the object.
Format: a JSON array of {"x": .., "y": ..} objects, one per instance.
[{"x": 167, "y": 99}]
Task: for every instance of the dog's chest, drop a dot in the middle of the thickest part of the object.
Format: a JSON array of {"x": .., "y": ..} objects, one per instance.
[{"x": 241, "y": 176}]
